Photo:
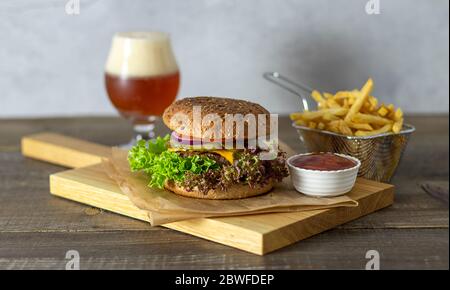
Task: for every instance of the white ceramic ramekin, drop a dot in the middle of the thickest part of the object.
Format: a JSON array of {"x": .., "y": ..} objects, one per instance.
[{"x": 323, "y": 183}]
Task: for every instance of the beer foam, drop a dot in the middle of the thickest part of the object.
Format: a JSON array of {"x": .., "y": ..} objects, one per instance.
[{"x": 141, "y": 54}]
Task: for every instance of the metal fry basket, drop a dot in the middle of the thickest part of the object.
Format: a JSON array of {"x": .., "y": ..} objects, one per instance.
[{"x": 379, "y": 154}]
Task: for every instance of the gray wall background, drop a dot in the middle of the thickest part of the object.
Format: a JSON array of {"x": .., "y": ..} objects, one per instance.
[{"x": 52, "y": 63}]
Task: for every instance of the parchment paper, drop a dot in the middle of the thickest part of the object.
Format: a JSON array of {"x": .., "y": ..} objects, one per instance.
[{"x": 164, "y": 206}]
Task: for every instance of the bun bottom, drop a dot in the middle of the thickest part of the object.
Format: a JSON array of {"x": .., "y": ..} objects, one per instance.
[{"x": 236, "y": 191}]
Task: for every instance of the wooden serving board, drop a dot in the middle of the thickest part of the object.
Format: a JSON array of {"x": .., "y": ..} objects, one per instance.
[{"x": 258, "y": 234}]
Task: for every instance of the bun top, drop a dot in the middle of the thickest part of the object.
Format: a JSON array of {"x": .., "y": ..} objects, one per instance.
[{"x": 197, "y": 117}]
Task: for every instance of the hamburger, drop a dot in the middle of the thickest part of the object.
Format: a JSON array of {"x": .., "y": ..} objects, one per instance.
[{"x": 216, "y": 151}]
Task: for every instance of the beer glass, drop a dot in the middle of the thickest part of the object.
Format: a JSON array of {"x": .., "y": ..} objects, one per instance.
[{"x": 141, "y": 78}]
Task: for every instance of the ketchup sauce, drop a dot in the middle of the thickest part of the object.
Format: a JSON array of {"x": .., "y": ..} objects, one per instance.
[{"x": 323, "y": 162}]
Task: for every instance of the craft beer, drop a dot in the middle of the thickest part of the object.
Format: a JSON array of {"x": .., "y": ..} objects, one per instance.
[{"x": 141, "y": 75}]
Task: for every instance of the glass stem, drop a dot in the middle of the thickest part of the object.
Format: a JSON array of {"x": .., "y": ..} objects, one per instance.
[{"x": 144, "y": 131}]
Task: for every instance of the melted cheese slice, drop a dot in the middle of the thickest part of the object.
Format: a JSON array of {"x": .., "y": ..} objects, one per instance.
[{"x": 227, "y": 154}]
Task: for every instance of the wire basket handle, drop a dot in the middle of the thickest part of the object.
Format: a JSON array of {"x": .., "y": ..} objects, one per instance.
[{"x": 291, "y": 86}]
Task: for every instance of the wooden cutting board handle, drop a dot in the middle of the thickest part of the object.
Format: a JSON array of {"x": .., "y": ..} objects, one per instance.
[{"x": 62, "y": 150}]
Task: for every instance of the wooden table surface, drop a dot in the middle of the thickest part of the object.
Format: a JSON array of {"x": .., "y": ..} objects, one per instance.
[{"x": 37, "y": 229}]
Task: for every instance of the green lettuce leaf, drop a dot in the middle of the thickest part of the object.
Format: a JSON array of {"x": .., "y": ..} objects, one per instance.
[{"x": 162, "y": 165}]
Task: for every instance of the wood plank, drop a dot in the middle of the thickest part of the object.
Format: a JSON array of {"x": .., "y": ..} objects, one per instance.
[
  {"x": 337, "y": 249},
  {"x": 259, "y": 234},
  {"x": 27, "y": 206},
  {"x": 90, "y": 185},
  {"x": 63, "y": 150},
  {"x": 101, "y": 130}
]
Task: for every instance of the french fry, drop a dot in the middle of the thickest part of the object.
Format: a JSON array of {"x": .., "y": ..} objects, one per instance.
[
  {"x": 322, "y": 104},
  {"x": 330, "y": 117},
  {"x": 352, "y": 113},
  {"x": 373, "y": 103},
  {"x": 335, "y": 123},
  {"x": 371, "y": 119},
  {"x": 360, "y": 126},
  {"x": 351, "y": 101},
  {"x": 385, "y": 129},
  {"x": 338, "y": 111},
  {"x": 391, "y": 113},
  {"x": 295, "y": 116},
  {"x": 366, "y": 108},
  {"x": 346, "y": 104},
  {"x": 397, "y": 127},
  {"x": 398, "y": 115},
  {"x": 360, "y": 100},
  {"x": 344, "y": 129},
  {"x": 383, "y": 111},
  {"x": 333, "y": 126},
  {"x": 318, "y": 114},
  {"x": 343, "y": 95},
  {"x": 300, "y": 122},
  {"x": 312, "y": 125},
  {"x": 331, "y": 103},
  {"x": 317, "y": 96}
]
